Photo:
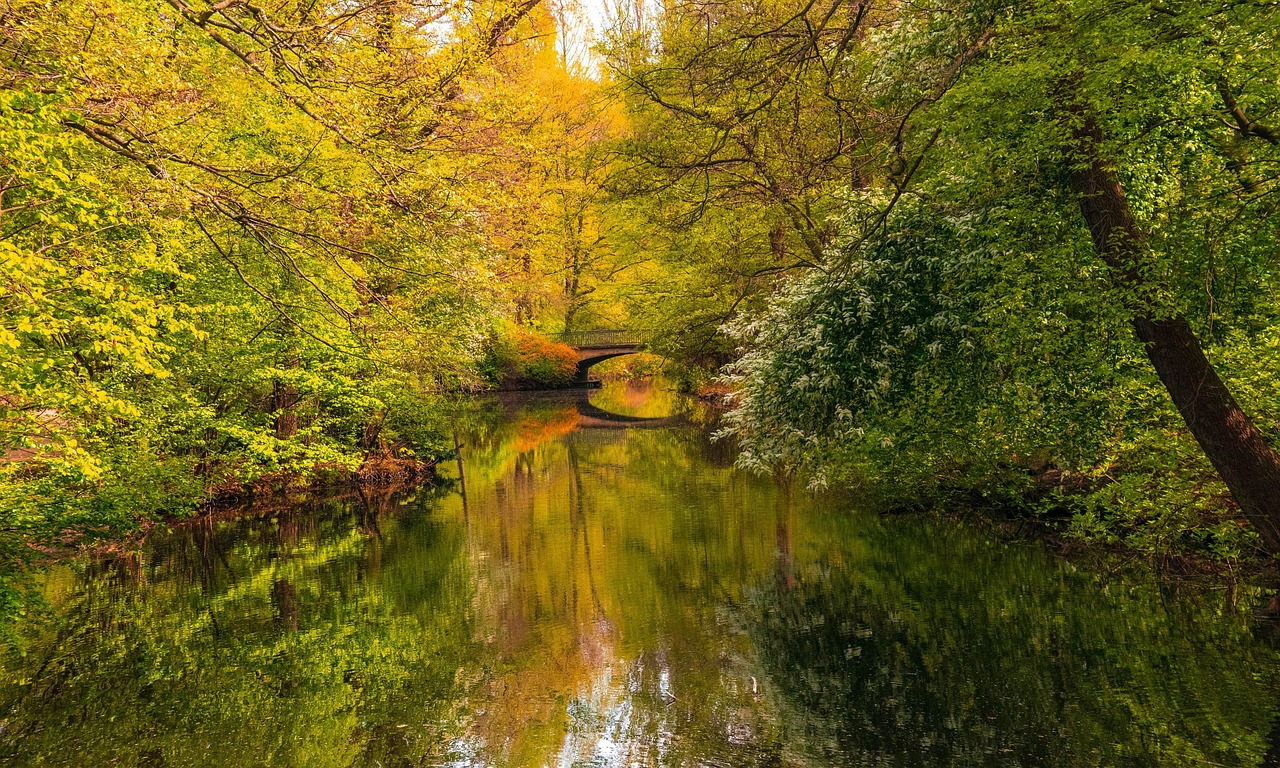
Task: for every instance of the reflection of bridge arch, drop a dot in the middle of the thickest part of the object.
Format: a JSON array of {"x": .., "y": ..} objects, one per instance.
[
  {"x": 593, "y": 417},
  {"x": 597, "y": 346}
]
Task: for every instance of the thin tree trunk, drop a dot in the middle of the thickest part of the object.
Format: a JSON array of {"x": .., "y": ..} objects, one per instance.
[
  {"x": 284, "y": 400},
  {"x": 284, "y": 597},
  {"x": 1235, "y": 447}
]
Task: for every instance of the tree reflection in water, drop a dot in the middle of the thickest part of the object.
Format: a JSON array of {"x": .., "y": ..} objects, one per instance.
[{"x": 622, "y": 596}]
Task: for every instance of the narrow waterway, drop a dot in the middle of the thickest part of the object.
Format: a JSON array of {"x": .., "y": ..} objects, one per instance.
[{"x": 604, "y": 589}]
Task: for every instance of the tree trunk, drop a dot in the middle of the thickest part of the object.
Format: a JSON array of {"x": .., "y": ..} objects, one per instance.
[
  {"x": 284, "y": 399},
  {"x": 284, "y": 597},
  {"x": 1235, "y": 447}
]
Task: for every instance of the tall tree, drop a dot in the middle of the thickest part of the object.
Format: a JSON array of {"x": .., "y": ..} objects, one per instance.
[
  {"x": 1236, "y": 448},
  {"x": 1041, "y": 141}
]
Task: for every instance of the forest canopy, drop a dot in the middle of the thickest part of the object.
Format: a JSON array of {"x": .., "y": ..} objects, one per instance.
[
  {"x": 246, "y": 242},
  {"x": 1022, "y": 252},
  {"x": 1013, "y": 251}
]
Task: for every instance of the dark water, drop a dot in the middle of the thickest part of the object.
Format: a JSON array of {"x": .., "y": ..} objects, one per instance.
[{"x": 614, "y": 593}]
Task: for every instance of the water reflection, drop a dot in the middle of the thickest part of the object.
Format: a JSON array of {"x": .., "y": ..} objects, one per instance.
[
  {"x": 648, "y": 398},
  {"x": 622, "y": 596}
]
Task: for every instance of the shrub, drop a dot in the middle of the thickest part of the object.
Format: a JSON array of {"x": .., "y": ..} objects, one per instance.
[
  {"x": 523, "y": 358},
  {"x": 544, "y": 362}
]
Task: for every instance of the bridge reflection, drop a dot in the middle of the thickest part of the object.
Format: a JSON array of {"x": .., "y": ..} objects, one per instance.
[
  {"x": 635, "y": 404},
  {"x": 591, "y": 416}
]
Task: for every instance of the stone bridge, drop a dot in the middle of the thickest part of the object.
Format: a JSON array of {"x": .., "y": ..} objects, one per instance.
[{"x": 597, "y": 346}]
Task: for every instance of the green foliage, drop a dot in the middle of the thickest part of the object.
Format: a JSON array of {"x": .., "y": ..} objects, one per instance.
[
  {"x": 226, "y": 257},
  {"x": 250, "y": 243},
  {"x": 917, "y": 346},
  {"x": 958, "y": 328}
]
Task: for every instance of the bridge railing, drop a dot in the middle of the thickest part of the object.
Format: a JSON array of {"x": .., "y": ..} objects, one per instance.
[{"x": 600, "y": 339}]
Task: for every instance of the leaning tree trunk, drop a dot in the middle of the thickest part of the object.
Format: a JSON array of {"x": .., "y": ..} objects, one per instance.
[{"x": 1235, "y": 447}]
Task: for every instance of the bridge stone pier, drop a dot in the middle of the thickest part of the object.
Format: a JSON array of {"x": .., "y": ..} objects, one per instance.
[{"x": 597, "y": 346}]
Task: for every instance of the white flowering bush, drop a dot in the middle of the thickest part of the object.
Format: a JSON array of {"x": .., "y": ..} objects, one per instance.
[
  {"x": 840, "y": 346},
  {"x": 942, "y": 342}
]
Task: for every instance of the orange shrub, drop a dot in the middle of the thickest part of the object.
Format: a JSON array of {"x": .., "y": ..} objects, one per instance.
[{"x": 543, "y": 361}]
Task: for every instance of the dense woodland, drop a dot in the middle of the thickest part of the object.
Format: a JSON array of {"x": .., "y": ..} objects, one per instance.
[{"x": 1017, "y": 253}]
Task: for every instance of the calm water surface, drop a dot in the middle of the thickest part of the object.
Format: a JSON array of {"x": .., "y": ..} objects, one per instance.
[{"x": 606, "y": 592}]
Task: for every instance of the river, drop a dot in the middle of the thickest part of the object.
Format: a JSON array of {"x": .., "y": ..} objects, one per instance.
[{"x": 605, "y": 591}]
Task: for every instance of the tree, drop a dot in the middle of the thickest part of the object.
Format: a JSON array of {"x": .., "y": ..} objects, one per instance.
[
  {"x": 1102, "y": 161},
  {"x": 239, "y": 236},
  {"x": 1237, "y": 449},
  {"x": 1176, "y": 108},
  {"x": 753, "y": 125}
]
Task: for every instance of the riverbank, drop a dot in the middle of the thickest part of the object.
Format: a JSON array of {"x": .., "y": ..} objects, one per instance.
[
  {"x": 1041, "y": 501},
  {"x": 1075, "y": 512}
]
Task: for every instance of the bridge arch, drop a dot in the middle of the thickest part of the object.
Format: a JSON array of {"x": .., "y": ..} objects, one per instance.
[{"x": 597, "y": 346}]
